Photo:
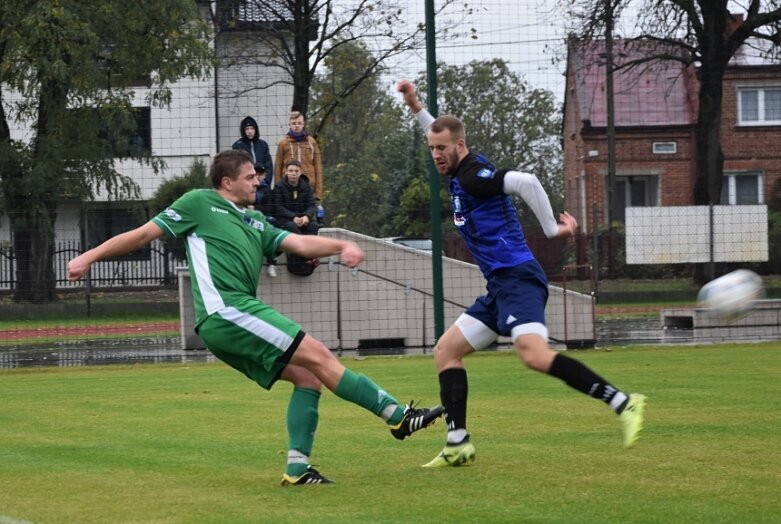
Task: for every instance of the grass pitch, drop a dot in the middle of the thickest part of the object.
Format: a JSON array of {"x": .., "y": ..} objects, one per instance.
[{"x": 201, "y": 444}]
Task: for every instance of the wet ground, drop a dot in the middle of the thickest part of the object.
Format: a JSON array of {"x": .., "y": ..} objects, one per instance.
[{"x": 613, "y": 331}]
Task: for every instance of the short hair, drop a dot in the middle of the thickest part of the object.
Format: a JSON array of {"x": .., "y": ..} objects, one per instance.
[
  {"x": 296, "y": 114},
  {"x": 293, "y": 162},
  {"x": 228, "y": 164},
  {"x": 449, "y": 123}
]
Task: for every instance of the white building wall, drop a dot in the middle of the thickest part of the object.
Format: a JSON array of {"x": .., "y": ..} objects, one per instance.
[
  {"x": 188, "y": 129},
  {"x": 243, "y": 92}
]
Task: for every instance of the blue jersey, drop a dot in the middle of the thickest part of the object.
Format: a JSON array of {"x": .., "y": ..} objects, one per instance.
[{"x": 486, "y": 217}]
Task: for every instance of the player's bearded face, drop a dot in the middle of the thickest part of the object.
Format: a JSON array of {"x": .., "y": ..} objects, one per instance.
[{"x": 444, "y": 152}]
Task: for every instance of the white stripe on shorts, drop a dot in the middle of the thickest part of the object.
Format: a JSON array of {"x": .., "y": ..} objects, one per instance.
[
  {"x": 257, "y": 326},
  {"x": 475, "y": 332},
  {"x": 532, "y": 328}
]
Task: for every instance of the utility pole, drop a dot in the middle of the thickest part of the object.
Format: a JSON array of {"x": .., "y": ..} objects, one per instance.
[
  {"x": 435, "y": 204},
  {"x": 611, "y": 123}
]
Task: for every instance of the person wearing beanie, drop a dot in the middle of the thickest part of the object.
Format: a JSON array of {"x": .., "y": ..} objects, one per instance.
[{"x": 255, "y": 146}]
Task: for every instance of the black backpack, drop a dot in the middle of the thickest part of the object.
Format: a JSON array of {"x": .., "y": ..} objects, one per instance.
[{"x": 301, "y": 266}]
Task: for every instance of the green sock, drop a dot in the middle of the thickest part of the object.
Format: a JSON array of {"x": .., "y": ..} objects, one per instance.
[
  {"x": 302, "y": 417},
  {"x": 360, "y": 390}
]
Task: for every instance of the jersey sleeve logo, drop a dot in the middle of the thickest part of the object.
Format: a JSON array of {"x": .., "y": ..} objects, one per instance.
[
  {"x": 251, "y": 222},
  {"x": 486, "y": 173},
  {"x": 173, "y": 215}
]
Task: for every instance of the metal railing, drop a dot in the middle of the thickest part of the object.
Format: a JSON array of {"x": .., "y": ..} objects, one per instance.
[{"x": 153, "y": 266}]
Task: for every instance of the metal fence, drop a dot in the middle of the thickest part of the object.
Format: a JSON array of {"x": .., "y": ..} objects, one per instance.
[{"x": 154, "y": 266}]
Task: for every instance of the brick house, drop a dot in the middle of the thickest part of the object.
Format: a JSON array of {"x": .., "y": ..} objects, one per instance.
[{"x": 655, "y": 131}]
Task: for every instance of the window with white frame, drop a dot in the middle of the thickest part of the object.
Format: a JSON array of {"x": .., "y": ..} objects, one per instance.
[
  {"x": 742, "y": 189},
  {"x": 665, "y": 148},
  {"x": 759, "y": 105}
]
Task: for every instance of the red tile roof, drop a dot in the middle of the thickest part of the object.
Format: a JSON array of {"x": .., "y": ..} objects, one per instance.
[{"x": 650, "y": 94}]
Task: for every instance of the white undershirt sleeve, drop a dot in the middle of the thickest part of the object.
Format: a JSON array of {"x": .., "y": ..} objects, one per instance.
[
  {"x": 530, "y": 190},
  {"x": 424, "y": 119}
]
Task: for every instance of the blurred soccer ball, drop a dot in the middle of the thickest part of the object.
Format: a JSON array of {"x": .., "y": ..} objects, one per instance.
[{"x": 732, "y": 295}]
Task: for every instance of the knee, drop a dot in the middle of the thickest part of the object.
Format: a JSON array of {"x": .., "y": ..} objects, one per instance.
[
  {"x": 305, "y": 379},
  {"x": 443, "y": 358},
  {"x": 535, "y": 356}
]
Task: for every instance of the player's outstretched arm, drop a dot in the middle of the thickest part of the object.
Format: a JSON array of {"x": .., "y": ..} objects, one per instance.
[
  {"x": 310, "y": 246},
  {"x": 121, "y": 244},
  {"x": 567, "y": 225},
  {"x": 528, "y": 187}
]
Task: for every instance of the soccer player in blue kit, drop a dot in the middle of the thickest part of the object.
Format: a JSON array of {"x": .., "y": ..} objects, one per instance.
[{"x": 486, "y": 218}]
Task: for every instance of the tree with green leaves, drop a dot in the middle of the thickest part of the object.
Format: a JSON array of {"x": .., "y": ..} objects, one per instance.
[
  {"x": 69, "y": 69},
  {"x": 513, "y": 124},
  {"x": 702, "y": 33},
  {"x": 375, "y": 160},
  {"x": 367, "y": 153}
]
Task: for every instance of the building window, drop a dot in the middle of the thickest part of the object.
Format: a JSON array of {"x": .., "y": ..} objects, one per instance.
[
  {"x": 140, "y": 140},
  {"x": 759, "y": 105},
  {"x": 742, "y": 189},
  {"x": 665, "y": 148},
  {"x": 106, "y": 222},
  {"x": 635, "y": 191},
  {"x": 119, "y": 143}
]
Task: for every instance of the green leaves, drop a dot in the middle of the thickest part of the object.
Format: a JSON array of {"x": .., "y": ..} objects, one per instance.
[{"x": 73, "y": 68}]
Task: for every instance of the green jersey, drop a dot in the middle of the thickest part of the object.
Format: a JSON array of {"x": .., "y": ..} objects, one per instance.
[{"x": 225, "y": 248}]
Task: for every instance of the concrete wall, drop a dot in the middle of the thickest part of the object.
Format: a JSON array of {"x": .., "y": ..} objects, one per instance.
[{"x": 388, "y": 297}]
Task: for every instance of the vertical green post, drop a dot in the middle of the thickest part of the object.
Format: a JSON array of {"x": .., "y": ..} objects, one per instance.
[{"x": 436, "y": 219}]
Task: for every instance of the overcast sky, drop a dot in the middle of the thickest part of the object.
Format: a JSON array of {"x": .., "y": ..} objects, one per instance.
[{"x": 528, "y": 34}]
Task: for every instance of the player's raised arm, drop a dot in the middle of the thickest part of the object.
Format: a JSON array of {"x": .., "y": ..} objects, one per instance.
[
  {"x": 407, "y": 89},
  {"x": 121, "y": 244}
]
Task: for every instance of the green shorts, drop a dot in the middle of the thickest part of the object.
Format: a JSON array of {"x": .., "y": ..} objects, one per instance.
[{"x": 252, "y": 338}]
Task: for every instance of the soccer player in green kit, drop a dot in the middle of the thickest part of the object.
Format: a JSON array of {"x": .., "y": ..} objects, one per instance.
[{"x": 226, "y": 243}]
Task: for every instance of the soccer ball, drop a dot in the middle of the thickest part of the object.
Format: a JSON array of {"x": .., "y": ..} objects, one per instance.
[{"x": 732, "y": 295}]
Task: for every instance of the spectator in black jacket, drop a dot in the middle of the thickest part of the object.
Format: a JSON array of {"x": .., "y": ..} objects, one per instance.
[
  {"x": 265, "y": 203},
  {"x": 295, "y": 201},
  {"x": 251, "y": 142}
]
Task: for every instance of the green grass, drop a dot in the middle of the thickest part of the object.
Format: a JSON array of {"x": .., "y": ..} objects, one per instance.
[{"x": 200, "y": 443}]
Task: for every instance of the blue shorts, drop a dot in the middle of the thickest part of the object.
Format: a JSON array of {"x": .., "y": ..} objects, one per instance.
[{"x": 516, "y": 295}]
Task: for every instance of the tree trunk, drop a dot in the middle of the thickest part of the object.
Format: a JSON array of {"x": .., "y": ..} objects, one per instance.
[
  {"x": 710, "y": 159},
  {"x": 33, "y": 242},
  {"x": 33, "y": 210},
  {"x": 302, "y": 76}
]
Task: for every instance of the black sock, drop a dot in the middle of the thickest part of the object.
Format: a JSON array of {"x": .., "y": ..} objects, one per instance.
[
  {"x": 453, "y": 390},
  {"x": 578, "y": 376}
]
